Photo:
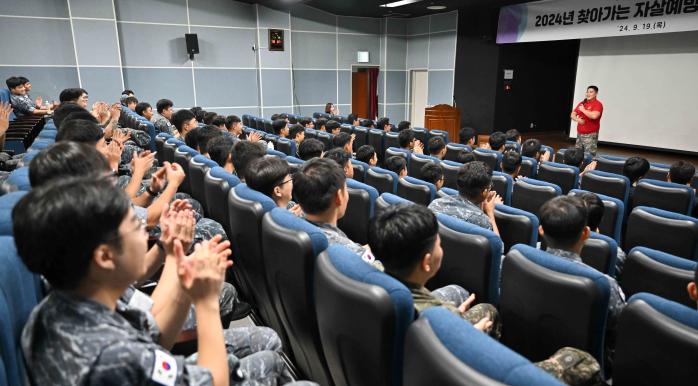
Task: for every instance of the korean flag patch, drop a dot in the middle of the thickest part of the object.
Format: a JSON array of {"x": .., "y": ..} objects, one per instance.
[{"x": 164, "y": 369}]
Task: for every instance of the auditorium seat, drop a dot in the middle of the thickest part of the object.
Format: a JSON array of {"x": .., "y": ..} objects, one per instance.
[
  {"x": 613, "y": 215},
  {"x": 656, "y": 344},
  {"x": 659, "y": 273},
  {"x": 383, "y": 180},
  {"x": 290, "y": 248},
  {"x": 388, "y": 199},
  {"x": 182, "y": 156},
  {"x": 361, "y": 137},
  {"x": 610, "y": 164},
  {"x": 516, "y": 226},
  {"x": 245, "y": 119},
  {"x": 666, "y": 231},
  {"x": 491, "y": 158},
  {"x": 529, "y": 167},
  {"x": 471, "y": 258},
  {"x": 273, "y": 138},
  {"x": 276, "y": 153},
  {"x": 560, "y": 157},
  {"x": 360, "y": 169},
  {"x": 198, "y": 167},
  {"x": 375, "y": 139},
  {"x": 537, "y": 289},
  {"x": 217, "y": 185},
  {"x": 268, "y": 127},
  {"x": 294, "y": 164},
  {"x": 345, "y": 128},
  {"x": 390, "y": 139},
  {"x": 159, "y": 145},
  {"x": 286, "y": 146},
  {"x": 19, "y": 178},
  {"x": 446, "y": 192},
  {"x": 503, "y": 184},
  {"x": 609, "y": 184},
  {"x": 657, "y": 171},
  {"x": 396, "y": 151},
  {"x": 529, "y": 194},
  {"x": 310, "y": 133},
  {"x": 453, "y": 149},
  {"x": 451, "y": 169},
  {"x": 417, "y": 161},
  {"x": 443, "y": 349},
  {"x": 362, "y": 202},
  {"x": 600, "y": 252},
  {"x": 564, "y": 176},
  {"x": 416, "y": 190},
  {"x": 325, "y": 138},
  {"x": 421, "y": 134},
  {"x": 664, "y": 195},
  {"x": 7, "y": 203},
  {"x": 441, "y": 133},
  {"x": 369, "y": 327},
  {"x": 513, "y": 144}
]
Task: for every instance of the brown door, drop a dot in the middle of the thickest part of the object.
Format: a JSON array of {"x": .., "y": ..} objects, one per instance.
[{"x": 359, "y": 93}]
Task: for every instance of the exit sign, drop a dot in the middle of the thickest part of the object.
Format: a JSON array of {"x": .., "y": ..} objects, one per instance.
[{"x": 276, "y": 40}]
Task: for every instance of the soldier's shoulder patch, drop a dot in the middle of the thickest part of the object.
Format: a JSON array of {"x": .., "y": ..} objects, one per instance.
[{"x": 164, "y": 369}]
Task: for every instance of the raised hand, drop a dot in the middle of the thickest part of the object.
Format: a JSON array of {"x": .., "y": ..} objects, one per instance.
[
  {"x": 201, "y": 274},
  {"x": 254, "y": 137},
  {"x": 467, "y": 303},
  {"x": 5, "y": 110},
  {"x": 158, "y": 179},
  {"x": 418, "y": 147},
  {"x": 142, "y": 162},
  {"x": 174, "y": 174},
  {"x": 120, "y": 137},
  {"x": 177, "y": 225}
]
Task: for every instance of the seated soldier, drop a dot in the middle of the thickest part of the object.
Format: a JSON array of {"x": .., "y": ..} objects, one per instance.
[
  {"x": 513, "y": 135},
  {"x": 497, "y": 141},
  {"x": 367, "y": 154},
  {"x": 437, "y": 147},
  {"x": 635, "y": 169},
  {"x": 183, "y": 121},
  {"x": 21, "y": 103},
  {"x": 532, "y": 148},
  {"x": 407, "y": 142},
  {"x": 311, "y": 148},
  {"x": 397, "y": 165},
  {"x": 475, "y": 201},
  {"x": 244, "y": 152},
  {"x": 219, "y": 122},
  {"x": 280, "y": 127},
  {"x": 145, "y": 110},
  {"x": 467, "y": 136},
  {"x": 511, "y": 163},
  {"x": 220, "y": 150},
  {"x": 162, "y": 118},
  {"x": 367, "y": 123},
  {"x": 333, "y": 127},
  {"x": 404, "y": 125},
  {"x": 353, "y": 120},
  {"x": 320, "y": 124},
  {"x": 344, "y": 141},
  {"x": 307, "y": 122},
  {"x": 272, "y": 177},
  {"x": 681, "y": 172},
  {"x": 465, "y": 156},
  {"x": 383, "y": 124},
  {"x": 434, "y": 174},
  {"x": 297, "y": 133},
  {"x": 343, "y": 159}
]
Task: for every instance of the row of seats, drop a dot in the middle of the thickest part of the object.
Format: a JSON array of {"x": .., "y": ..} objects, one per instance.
[{"x": 22, "y": 131}]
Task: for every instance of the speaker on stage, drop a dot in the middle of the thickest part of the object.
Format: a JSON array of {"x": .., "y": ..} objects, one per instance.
[{"x": 192, "y": 45}]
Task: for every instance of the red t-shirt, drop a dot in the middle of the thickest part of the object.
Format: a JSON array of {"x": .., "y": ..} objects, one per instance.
[{"x": 590, "y": 126}]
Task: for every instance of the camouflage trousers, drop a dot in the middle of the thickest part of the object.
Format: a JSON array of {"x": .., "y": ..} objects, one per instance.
[
  {"x": 573, "y": 367},
  {"x": 456, "y": 295},
  {"x": 227, "y": 301},
  {"x": 587, "y": 142}
]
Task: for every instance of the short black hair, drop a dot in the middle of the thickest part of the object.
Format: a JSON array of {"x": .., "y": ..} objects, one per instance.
[
  {"x": 531, "y": 148},
  {"x": 405, "y": 137},
  {"x": 466, "y": 134},
  {"x": 511, "y": 160},
  {"x": 320, "y": 122},
  {"x": 80, "y": 130},
  {"x": 381, "y": 122},
  {"x": 245, "y": 152},
  {"x": 635, "y": 168},
  {"x": 473, "y": 179},
  {"x": 163, "y": 104},
  {"x": 339, "y": 156},
  {"x": 66, "y": 159},
  {"x": 432, "y": 172},
  {"x": 24, "y": 79},
  {"x": 341, "y": 139},
  {"x": 266, "y": 173},
  {"x": 128, "y": 100},
  {"x": 283, "y": 116},
  {"x": 220, "y": 148},
  {"x": 71, "y": 217},
  {"x": 218, "y": 121},
  {"x": 563, "y": 219},
  {"x": 316, "y": 184},
  {"x": 230, "y": 120},
  {"x": 681, "y": 172},
  {"x": 274, "y": 117},
  {"x": 206, "y": 134},
  {"x": 403, "y": 125},
  {"x": 396, "y": 164},
  {"x": 84, "y": 114},
  {"x": 574, "y": 156},
  {"x": 294, "y": 130},
  {"x": 13, "y": 82},
  {"x": 71, "y": 94},
  {"x": 180, "y": 117},
  {"x": 497, "y": 140},
  {"x": 127, "y": 92},
  {"x": 141, "y": 107},
  {"x": 192, "y": 138},
  {"x": 512, "y": 135},
  {"x": 208, "y": 117},
  {"x": 351, "y": 118},
  {"x": 366, "y": 123},
  {"x": 63, "y": 111},
  {"x": 199, "y": 113},
  {"x": 365, "y": 153},
  {"x": 465, "y": 156},
  {"x": 594, "y": 206},
  {"x": 310, "y": 148},
  {"x": 436, "y": 144},
  {"x": 596, "y": 89},
  {"x": 278, "y": 125},
  {"x": 292, "y": 119},
  {"x": 401, "y": 235},
  {"x": 305, "y": 121},
  {"x": 332, "y": 125}
]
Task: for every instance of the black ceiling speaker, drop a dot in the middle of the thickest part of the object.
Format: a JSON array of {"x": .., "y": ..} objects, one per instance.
[{"x": 192, "y": 45}]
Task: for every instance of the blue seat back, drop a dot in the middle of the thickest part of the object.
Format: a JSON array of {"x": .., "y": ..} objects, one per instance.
[
  {"x": 217, "y": 184},
  {"x": 417, "y": 162},
  {"x": 503, "y": 184},
  {"x": 516, "y": 226},
  {"x": 360, "y": 169},
  {"x": 443, "y": 134},
  {"x": 453, "y": 149},
  {"x": 451, "y": 169},
  {"x": 529, "y": 194},
  {"x": 360, "y": 210},
  {"x": 610, "y": 164},
  {"x": 388, "y": 199},
  {"x": 663, "y": 230},
  {"x": 415, "y": 190},
  {"x": 609, "y": 184},
  {"x": 492, "y": 158},
  {"x": 19, "y": 178},
  {"x": 529, "y": 167},
  {"x": 600, "y": 252},
  {"x": 613, "y": 215},
  {"x": 383, "y": 180},
  {"x": 664, "y": 195},
  {"x": 564, "y": 176},
  {"x": 7, "y": 203}
]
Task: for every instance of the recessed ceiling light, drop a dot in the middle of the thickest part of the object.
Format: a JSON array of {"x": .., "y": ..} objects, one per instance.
[
  {"x": 436, "y": 7},
  {"x": 399, "y": 3}
]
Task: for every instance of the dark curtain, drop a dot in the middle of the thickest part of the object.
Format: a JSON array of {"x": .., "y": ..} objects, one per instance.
[{"x": 373, "y": 93}]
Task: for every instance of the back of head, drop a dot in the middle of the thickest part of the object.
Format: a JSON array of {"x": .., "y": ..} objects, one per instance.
[
  {"x": 206, "y": 134},
  {"x": 340, "y": 140},
  {"x": 245, "y": 152},
  {"x": 365, "y": 153},
  {"x": 574, "y": 157},
  {"x": 367, "y": 123},
  {"x": 310, "y": 148},
  {"x": 64, "y": 110},
  {"x": 66, "y": 159},
  {"x": 127, "y": 92},
  {"x": 465, "y": 135},
  {"x": 403, "y": 125},
  {"x": 332, "y": 125},
  {"x": 464, "y": 157},
  {"x": 511, "y": 160},
  {"x": 80, "y": 130},
  {"x": 497, "y": 140},
  {"x": 513, "y": 135},
  {"x": 530, "y": 148},
  {"x": 180, "y": 118},
  {"x": 292, "y": 120},
  {"x": 435, "y": 145},
  {"x": 141, "y": 107},
  {"x": 473, "y": 179},
  {"x": 320, "y": 122},
  {"x": 432, "y": 173},
  {"x": 681, "y": 172},
  {"x": 294, "y": 130},
  {"x": 563, "y": 219},
  {"x": 163, "y": 104},
  {"x": 595, "y": 208},
  {"x": 71, "y": 217},
  {"x": 396, "y": 164},
  {"x": 218, "y": 121},
  {"x": 405, "y": 138},
  {"x": 13, "y": 82},
  {"x": 220, "y": 148},
  {"x": 192, "y": 138},
  {"x": 208, "y": 117},
  {"x": 231, "y": 120},
  {"x": 274, "y": 117},
  {"x": 71, "y": 94},
  {"x": 339, "y": 156},
  {"x": 635, "y": 168},
  {"x": 350, "y": 119},
  {"x": 381, "y": 122},
  {"x": 278, "y": 125},
  {"x": 305, "y": 121},
  {"x": 84, "y": 115},
  {"x": 317, "y": 183},
  {"x": 265, "y": 173},
  {"x": 129, "y": 101},
  {"x": 401, "y": 235}
]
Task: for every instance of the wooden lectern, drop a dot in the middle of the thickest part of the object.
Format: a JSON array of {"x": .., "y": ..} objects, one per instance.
[{"x": 443, "y": 117}]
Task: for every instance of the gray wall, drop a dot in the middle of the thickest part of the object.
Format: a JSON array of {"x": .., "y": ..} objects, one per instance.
[{"x": 105, "y": 46}]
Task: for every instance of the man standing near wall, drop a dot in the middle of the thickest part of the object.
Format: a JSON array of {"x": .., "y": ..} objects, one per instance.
[{"x": 587, "y": 114}]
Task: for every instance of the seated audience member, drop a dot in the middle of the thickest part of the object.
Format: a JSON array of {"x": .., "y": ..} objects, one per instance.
[
  {"x": 297, "y": 133},
  {"x": 352, "y": 119},
  {"x": 220, "y": 150},
  {"x": 437, "y": 147},
  {"x": 274, "y": 117},
  {"x": 204, "y": 135},
  {"x": 681, "y": 172},
  {"x": 280, "y": 127},
  {"x": 511, "y": 163},
  {"x": 383, "y": 124},
  {"x": 475, "y": 201},
  {"x": 233, "y": 124},
  {"x": 21, "y": 103},
  {"x": 307, "y": 122},
  {"x": 321, "y": 190},
  {"x": 272, "y": 177},
  {"x": 320, "y": 124},
  {"x": 331, "y": 108},
  {"x": 344, "y": 141},
  {"x": 292, "y": 120},
  {"x": 532, "y": 148},
  {"x": 74, "y": 95},
  {"x": 513, "y": 135},
  {"x": 367, "y": 154},
  {"x": 198, "y": 113},
  {"x": 467, "y": 136},
  {"x": 333, "y": 127},
  {"x": 311, "y": 148},
  {"x": 397, "y": 165},
  {"x": 64, "y": 110},
  {"x": 145, "y": 110},
  {"x": 245, "y": 152},
  {"x": 39, "y": 101},
  {"x": 219, "y": 122},
  {"x": 406, "y": 141},
  {"x": 404, "y": 125},
  {"x": 433, "y": 173},
  {"x": 563, "y": 225},
  {"x": 183, "y": 121},
  {"x": 208, "y": 117},
  {"x": 595, "y": 209},
  {"x": 464, "y": 157},
  {"x": 574, "y": 157},
  {"x": 343, "y": 159},
  {"x": 130, "y": 102},
  {"x": 161, "y": 120},
  {"x": 635, "y": 169},
  {"x": 367, "y": 123},
  {"x": 127, "y": 93},
  {"x": 497, "y": 141},
  {"x": 94, "y": 249}
]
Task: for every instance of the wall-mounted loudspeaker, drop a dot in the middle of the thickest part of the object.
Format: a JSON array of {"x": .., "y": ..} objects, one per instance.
[{"x": 192, "y": 45}]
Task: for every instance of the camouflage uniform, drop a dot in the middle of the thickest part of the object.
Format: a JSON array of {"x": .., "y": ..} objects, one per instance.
[
  {"x": 587, "y": 142},
  {"x": 573, "y": 367},
  {"x": 162, "y": 124},
  {"x": 22, "y": 105},
  {"x": 337, "y": 236},
  {"x": 462, "y": 209}
]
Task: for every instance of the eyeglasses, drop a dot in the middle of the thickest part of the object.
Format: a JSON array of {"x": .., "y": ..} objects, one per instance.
[{"x": 290, "y": 179}]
